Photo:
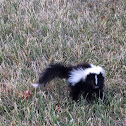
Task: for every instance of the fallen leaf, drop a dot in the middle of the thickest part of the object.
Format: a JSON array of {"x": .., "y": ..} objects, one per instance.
[
  {"x": 26, "y": 94},
  {"x": 57, "y": 107},
  {"x": 103, "y": 17}
]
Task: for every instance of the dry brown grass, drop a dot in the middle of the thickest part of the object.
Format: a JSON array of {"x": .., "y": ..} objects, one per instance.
[{"x": 34, "y": 33}]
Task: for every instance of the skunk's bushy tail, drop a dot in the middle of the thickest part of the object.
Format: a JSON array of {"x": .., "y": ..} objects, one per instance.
[{"x": 52, "y": 71}]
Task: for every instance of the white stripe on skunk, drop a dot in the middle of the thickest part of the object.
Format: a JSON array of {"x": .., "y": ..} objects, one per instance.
[{"x": 80, "y": 74}]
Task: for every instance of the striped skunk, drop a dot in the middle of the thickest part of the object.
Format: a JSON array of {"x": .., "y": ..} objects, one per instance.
[{"x": 83, "y": 79}]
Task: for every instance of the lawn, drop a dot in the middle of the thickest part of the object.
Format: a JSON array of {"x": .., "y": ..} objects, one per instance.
[{"x": 35, "y": 33}]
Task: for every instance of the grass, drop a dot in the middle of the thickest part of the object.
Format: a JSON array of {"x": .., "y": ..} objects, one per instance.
[{"x": 35, "y": 33}]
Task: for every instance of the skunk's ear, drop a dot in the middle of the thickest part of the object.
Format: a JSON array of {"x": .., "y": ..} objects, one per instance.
[
  {"x": 89, "y": 74},
  {"x": 101, "y": 74}
]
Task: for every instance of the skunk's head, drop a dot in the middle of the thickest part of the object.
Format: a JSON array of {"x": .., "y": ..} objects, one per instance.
[
  {"x": 96, "y": 81},
  {"x": 92, "y": 76}
]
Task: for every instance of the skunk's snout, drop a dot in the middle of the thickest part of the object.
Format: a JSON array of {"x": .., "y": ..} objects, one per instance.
[{"x": 96, "y": 87}]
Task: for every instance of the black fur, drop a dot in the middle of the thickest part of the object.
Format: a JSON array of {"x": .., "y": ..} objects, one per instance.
[
  {"x": 53, "y": 71},
  {"x": 85, "y": 88}
]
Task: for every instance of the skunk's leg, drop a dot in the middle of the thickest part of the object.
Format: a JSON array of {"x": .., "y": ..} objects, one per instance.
[
  {"x": 100, "y": 94},
  {"x": 88, "y": 96},
  {"x": 74, "y": 93}
]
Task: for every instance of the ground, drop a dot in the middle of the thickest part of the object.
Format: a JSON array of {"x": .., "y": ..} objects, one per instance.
[{"x": 35, "y": 33}]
